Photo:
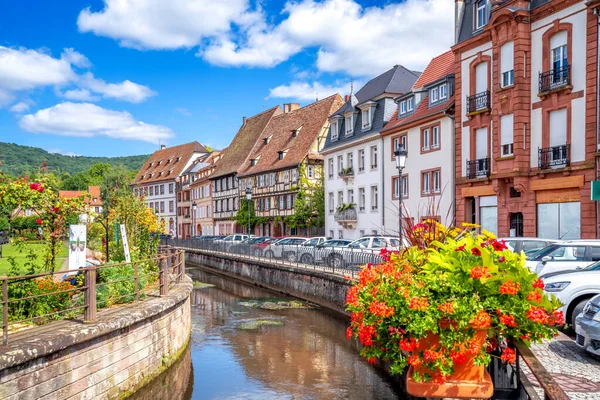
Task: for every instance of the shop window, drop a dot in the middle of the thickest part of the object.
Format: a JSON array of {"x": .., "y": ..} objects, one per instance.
[
  {"x": 516, "y": 224},
  {"x": 559, "y": 221}
]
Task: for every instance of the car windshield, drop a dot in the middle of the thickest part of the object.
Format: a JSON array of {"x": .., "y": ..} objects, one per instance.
[
  {"x": 561, "y": 253},
  {"x": 311, "y": 242},
  {"x": 592, "y": 267},
  {"x": 229, "y": 238},
  {"x": 395, "y": 242}
]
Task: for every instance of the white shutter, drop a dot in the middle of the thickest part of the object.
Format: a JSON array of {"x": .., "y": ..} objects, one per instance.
[
  {"x": 558, "y": 127},
  {"x": 559, "y": 39},
  {"x": 481, "y": 75},
  {"x": 507, "y": 54},
  {"x": 506, "y": 129},
  {"x": 481, "y": 139}
]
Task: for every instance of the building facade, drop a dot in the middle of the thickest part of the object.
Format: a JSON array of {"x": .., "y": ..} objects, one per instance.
[
  {"x": 354, "y": 156},
  {"x": 156, "y": 181},
  {"x": 424, "y": 126},
  {"x": 284, "y": 161},
  {"x": 201, "y": 194},
  {"x": 526, "y": 116},
  {"x": 224, "y": 179},
  {"x": 93, "y": 200}
]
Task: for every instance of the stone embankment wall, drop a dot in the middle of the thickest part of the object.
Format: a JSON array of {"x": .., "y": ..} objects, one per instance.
[
  {"x": 319, "y": 287},
  {"x": 110, "y": 358}
]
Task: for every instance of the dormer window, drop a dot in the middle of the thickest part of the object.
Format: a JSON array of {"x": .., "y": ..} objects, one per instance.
[
  {"x": 349, "y": 124},
  {"x": 410, "y": 104},
  {"x": 253, "y": 162},
  {"x": 267, "y": 140},
  {"x": 367, "y": 115},
  {"x": 169, "y": 161},
  {"x": 295, "y": 132},
  {"x": 282, "y": 154},
  {"x": 335, "y": 130},
  {"x": 403, "y": 107},
  {"x": 434, "y": 95},
  {"x": 177, "y": 159},
  {"x": 443, "y": 92},
  {"x": 481, "y": 17}
]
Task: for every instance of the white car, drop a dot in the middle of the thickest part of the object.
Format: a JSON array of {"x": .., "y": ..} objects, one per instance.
[
  {"x": 528, "y": 245},
  {"x": 587, "y": 327},
  {"x": 565, "y": 256},
  {"x": 573, "y": 288},
  {"x": 362, "y": 251},
  {"x": 282, "y": 248}
]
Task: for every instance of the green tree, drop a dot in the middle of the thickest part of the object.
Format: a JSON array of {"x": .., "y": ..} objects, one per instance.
[
  {"x": 242, "y": 215},
  {"x": 309, "y": 210}
]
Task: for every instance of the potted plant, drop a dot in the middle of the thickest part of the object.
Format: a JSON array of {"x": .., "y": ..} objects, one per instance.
[{"x": 444, "y": 305}]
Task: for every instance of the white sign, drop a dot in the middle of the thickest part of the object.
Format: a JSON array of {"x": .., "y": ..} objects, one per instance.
[
  {"x": 77, "y": 247},
  {"x": 125, "y": 243}
]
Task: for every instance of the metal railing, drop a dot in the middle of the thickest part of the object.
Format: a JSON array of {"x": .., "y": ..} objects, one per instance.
[
  {"x": 478, "y": 102},
  {"x": 348, "y": 214},
  {"x": 67, "y": 294},
  {"x": 345, "y": 261},
  {"x": 554, "y": 156},
  {"x": 554, "y": 79},
  {"x": 478, "y": 168}
]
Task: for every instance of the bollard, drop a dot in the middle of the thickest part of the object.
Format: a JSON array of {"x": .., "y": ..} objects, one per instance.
[
  {"x": 163, "y": 277},
  {"x": 90, "y": 294}
]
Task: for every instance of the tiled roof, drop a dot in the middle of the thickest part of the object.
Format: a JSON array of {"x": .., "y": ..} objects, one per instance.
[
  {"x": 211, "y": 161},
  {"x": 167, "y": 163},
  {"x": 439, "y": 67},
  {"x": 94, "y": 192},
  {"x": 236, "y": 155},
  {"x": 421, "y": 112},
  {"x": 310, "y": 121}
]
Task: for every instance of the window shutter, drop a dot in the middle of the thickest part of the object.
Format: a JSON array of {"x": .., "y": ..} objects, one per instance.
[
  {"x": 507, "y": 54},
  {"x": 558, "y": 127},
  {"x": 481, "y": 77},
  {"x": 506, "y": 129}
]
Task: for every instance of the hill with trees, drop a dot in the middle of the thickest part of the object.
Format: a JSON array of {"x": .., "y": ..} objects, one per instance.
[{"x": 20, "y": 160}]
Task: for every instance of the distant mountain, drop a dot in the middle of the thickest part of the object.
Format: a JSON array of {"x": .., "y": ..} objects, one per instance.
[{"x": 18, "y": 159}]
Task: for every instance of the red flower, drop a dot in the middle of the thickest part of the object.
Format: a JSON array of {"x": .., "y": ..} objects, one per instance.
[
  {"x": 408, "y": 345},
  {"x": 534, "y": 296},
  {"x": 372, "y": 360},
  {"x": 499, "y": 246},
  {"x": 447, "y": 307},
  {"x": 38, "y": 221},
  {"x": 508, "y": 320},
  {"x": 365, "y": 334},
  {"x": 482, "y": 320},
  {"x": 349, "y": 332},
  {"x": 501, "y": 259},
  {"x": 557, "y": 318},
  {"x": 419, "y": 303},
  {"x": 538, "y": 284},
  {"x": 380, "y": 309},
  {"x": 510, "y": 287},
  {"x": 475, "y": 251},
  {"x": 537, "y": 314},
  {"x": 352, "y": 296},
  {"x": 439, "y": 379},
  {"x": 480, "y": 272},
  {"x": 458, "y": 357},
  {"x": 431, "y": 356},
  {"x": 460, "y": 248},
  {"x": 508, "y": 355}
]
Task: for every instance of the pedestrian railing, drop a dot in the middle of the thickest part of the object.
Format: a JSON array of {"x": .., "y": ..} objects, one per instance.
[{"x": 43, "y": 297}]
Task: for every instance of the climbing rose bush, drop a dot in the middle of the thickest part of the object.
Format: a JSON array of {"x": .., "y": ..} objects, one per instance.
[{"x": 452, "y": 283}]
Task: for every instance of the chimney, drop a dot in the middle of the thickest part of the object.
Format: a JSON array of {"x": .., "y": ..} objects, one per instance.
[
  {"x": 289, "y": 107},
  {"x": 162, "y": 146},
  {"x": 459, "y": 6},
  {"x": 346, "y": 98},
  {"x": 243, "y": 121}
]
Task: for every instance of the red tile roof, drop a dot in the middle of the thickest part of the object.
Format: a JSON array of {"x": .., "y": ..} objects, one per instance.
[
  {"x": 167, "y": 163},
  {"x": 420, "y": 113},
  {"x": 93, "y": 191},
  {"x": 438, "y": 68},
  {"x": 310, "y": 121}
]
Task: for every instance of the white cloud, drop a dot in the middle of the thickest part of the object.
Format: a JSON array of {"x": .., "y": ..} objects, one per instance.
[
  {"x": 307, "y": 91},
  {"x": 20, "y": 107},
  {"x": 89, "y": 120},
  {"x": 75, "y": 58},
  {"x": 80, "y": 95},
  {"x": 125, "y": 91},
  {"x": 159, "y": 24},
  {"x": 349, "y": 38}
]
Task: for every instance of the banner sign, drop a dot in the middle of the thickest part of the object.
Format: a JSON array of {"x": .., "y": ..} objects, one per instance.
[
  {"x": 77, "y": 247},
  {"x": 125, "y": 244},
  {"x": 595, "y": 190}
]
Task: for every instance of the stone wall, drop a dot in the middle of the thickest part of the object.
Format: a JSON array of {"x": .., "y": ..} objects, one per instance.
[
  {"x": 110, "y": 358},
  {"x": 325, "y": 289}
]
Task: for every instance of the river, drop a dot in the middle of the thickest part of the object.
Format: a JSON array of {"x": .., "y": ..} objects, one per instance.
[{"x": 305, "y": 356}]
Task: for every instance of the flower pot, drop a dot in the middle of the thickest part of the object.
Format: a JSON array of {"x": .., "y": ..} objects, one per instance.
[{"x": 469, "y": 381}]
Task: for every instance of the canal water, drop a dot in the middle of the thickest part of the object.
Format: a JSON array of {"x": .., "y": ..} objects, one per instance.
[{"x": 296, "y": 354}]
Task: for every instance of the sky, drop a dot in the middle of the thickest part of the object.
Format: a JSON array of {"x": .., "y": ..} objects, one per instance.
[{"x": 120, "y": 77}]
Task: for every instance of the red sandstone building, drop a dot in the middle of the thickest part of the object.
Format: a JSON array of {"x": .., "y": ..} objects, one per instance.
[{"x": 526, "y": 116}]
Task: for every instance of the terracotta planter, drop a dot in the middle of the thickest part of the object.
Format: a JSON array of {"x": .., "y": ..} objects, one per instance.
[{"x": 469, "y": 381}]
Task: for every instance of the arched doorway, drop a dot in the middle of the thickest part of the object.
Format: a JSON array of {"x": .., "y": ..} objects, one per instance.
[{"x": 516, "y": 224}]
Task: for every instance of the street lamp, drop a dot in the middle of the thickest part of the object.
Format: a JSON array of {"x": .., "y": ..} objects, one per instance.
[
  {"x": 400, "y": 154},
  {"x": 248, "y": 199},
  {"x": 194, "y": 206}
]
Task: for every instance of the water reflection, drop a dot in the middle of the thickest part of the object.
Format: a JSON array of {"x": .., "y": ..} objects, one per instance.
[{"x": 307, "y": 358}]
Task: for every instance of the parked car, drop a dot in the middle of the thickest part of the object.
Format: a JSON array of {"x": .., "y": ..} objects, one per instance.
[
  {"x": 259, "y": 248},
  {"x": 324, "y": 250},
  {"x": 304, "y": 253},
  {"x": 362, "y": 251},
  {"x": 529, "y": 246},
  {"x": 587, "y": 327},
  {"x": 281, "y": 248},
  {"x": 245, "y": 245},
  {"x": 573, "y": 288},
  {"x": 565, "y": 256}
]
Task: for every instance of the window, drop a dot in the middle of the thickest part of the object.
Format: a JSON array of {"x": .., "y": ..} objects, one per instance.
[
  {"x": 361, "y": 199},
  {"x": 443, "y": 92},
  {"x": 374, "y": 198},
  {"x": 162, "y": 207},
  {"x": 340, "y": 234},
  {"x": 156, "y": 207},
  {"x": 340, "y": 197},
  {"x": 367, "y": 115},
  {"x": 425, "y": 139},
  {"x": 435, "y": 137},
  {"x": 559, "y": 221},
  {"x": 507, "y": 54},
  {"x": 330, "y": 167},
  {"x": 350, "y": 160},
  {"x": 506, "y": 135},
  {"x": 405, "y": 186},
  {"x": 340, "y": 164},
  {"x": 156, "y": 190},
  {"x": 373, "y": 157},
  {"x": 436, "y": 181},
  {"x": 330, "y": 203},
  {"x": 162, "y": 189},
  {"x": 171, "y": 206},
  {"x": 281, "y": 154},
  {"x": 294, "y": 175},
  {"x": 426, "y": 182},
  {"x": 334, "y": 130},
  {"x": 434, "y": 95},
  {"x": 396, "y": 186},
  {"x": 310, "y": 171},
  {"x": 253, "y": 162},
  {"x": 410, "y": 104},
  {"x": 362, "y": 233},
  {"x": 559, "y": 57},
  {"x": 403, "y": 107},
  {"x": 351, "y": 196},
  {"x": 152, "y": 205},
  {"x": 331, "y": 233},
  {"x": 151, "y": 190},
  {"x": 398, "y": 142},
  {"x": 349, "y": 124},
  {"x": 286, "y": 176},
  {"x": 480, "y": 14},
  {"x": 361, "y": 160},
  {"x": 488, "y": 213}
]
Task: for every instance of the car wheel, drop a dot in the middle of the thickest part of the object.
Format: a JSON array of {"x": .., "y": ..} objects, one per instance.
[
  {"x": 576, "y": 311},
  {"x": 306, "y": 259},
  {"x": 257, "y": 252},
  {"x": 269, "y": 254},
  {"x": 337, "y": 261},
  {"x": 291, "y": 256}
]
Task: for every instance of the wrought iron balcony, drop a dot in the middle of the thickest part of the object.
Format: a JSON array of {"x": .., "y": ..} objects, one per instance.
[
  {"x": 555, "y": 79},
  {"x": 346, "y": 215},
  {"x": 478, "y": 168},
  {"x": 346, "y": 172},
  {"x": 478, "y": 102},
  {"x": 554, "y": 156}
]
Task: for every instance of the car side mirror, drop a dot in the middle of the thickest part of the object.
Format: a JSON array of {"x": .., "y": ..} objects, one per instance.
[{"x": 546, "y": 258}]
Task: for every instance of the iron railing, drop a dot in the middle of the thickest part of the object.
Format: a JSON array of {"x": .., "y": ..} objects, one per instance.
[
  {"x": 478, "y": 168},
  {"x": 554, "y": 79},
  {"x": 346, "y": 172},
  {"x": 554, "y": 156},
  {"x": 478, "y": 102},
  {"x": 80, "y": 287},
  {"x": 346, "y": 215}
]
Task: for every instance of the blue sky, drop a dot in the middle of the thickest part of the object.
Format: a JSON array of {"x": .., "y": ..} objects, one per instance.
[{"x": 115, "y": 77}]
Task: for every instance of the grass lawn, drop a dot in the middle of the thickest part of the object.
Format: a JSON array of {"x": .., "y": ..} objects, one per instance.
[{"x": 9, "y": 250}]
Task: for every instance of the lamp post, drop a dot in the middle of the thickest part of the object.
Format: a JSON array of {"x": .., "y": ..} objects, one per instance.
[
  {"x": 248, "y": 200},
  {"x": 194, "y": 206},
  {"x": 400, "y": 154}
]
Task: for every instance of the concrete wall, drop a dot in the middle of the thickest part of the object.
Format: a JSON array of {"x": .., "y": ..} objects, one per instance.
[
  {"x": 321, "y": 288},
  {"x": 123, "y": 350}
]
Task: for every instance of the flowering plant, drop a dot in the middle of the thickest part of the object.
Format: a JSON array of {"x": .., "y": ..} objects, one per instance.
[{"x": 454, "y": 284}]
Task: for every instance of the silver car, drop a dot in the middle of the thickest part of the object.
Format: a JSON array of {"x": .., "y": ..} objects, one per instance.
[{"x": 587, "y": 327}]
